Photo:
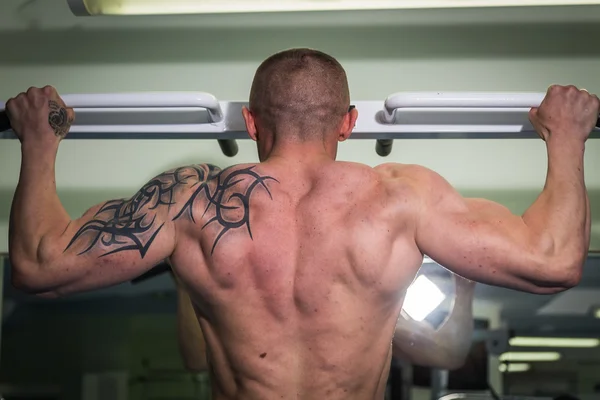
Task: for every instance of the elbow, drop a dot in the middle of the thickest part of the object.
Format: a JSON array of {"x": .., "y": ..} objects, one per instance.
[
  {"x": 22, "y": 274},
  {"x": 28, "y": 277},
  {"x": 568, "y": 268},
  {"x": 559, "y": 273},
  {"x": 572, "y": 277}
]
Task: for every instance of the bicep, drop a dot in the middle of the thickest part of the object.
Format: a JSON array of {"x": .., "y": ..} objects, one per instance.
[
  {"x": 111, "y": 243},
  {"x": 117, "y": 240},
  {"x": 478, "y": 239}
]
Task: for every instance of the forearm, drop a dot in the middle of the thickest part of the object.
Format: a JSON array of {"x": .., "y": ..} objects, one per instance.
[
  {"x": 36, "y": 210},
  {"x": 560, "y": 218}
]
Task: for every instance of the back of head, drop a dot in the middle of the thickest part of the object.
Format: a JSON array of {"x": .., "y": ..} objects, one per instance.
[{"x": 300, "y": 94}]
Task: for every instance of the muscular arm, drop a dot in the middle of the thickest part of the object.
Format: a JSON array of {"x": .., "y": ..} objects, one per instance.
[
  {"x": 543, "y": 250},
  {"x": 113, "y": 242},
  {"x": 448, "y": 346}
]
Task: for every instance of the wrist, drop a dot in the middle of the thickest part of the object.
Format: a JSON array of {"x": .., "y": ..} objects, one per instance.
[
  {"x": 565, "y": 144},
  {"x": 40, "y": 148}
]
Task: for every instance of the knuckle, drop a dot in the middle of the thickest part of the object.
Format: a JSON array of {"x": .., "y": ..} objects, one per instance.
[{"x": 49, "y": 89}]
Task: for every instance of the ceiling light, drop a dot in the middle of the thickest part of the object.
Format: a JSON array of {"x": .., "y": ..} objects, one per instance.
[
  {"x": 553, "y": 342},
  {"x": 514, "y": 367},
  {"x": 162, "y": 7},
  {"x": 422, "y": 297},
  {"x": 597, "y": 314},
  {"x": 540, "y": 356}
]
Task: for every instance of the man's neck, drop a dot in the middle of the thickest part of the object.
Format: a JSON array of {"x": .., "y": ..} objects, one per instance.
[{"x": 301, "y": 152}]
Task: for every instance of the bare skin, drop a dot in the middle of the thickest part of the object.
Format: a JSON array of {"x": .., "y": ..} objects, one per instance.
[
  {"x": 298, "y": 265},
  {"x": 417, "y": 342}
]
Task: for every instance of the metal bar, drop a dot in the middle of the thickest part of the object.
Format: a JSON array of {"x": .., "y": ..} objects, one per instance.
[
  {"x": 439, "y": 383},
  {"x": 384, "y": 134},
  {"x": 461, "y": 100},
  {"x": 224, "y": 121}
]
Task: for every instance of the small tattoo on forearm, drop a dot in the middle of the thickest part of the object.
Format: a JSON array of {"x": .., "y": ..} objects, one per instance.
[{"x": 59, "y": 120}]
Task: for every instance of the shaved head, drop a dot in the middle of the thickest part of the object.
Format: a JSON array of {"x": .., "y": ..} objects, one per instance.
[{"x": 300, "y": 94}]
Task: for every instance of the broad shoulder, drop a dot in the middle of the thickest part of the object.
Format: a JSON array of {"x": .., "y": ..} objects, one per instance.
[
  {"x": 424, "y": 183},
  {"x": 414, "y": 175}
]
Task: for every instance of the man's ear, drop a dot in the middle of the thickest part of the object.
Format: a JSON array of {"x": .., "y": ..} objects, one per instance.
[
  {"x": 348, "y": 124},
  {"x": 250, "y": 123}
]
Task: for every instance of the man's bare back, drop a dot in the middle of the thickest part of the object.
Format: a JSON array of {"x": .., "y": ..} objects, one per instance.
[
  {"x": 308, "y": 282},
  {"x": 298, "y": 265}
]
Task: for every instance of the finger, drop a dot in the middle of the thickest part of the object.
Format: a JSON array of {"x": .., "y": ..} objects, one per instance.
[
  {"x": 13, "y": 104},
  {"x": 70, "y": 115},
  {"x": 533, "y": 113},
  {"x": 35, "y": 94},
  {"x": 50, "y": 90},
  {"x": 597, "y": 101},
  {"x": 8, "y": 105},
  {"x": 52, "y": 94}
]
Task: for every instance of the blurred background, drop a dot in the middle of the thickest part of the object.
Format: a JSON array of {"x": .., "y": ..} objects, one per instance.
[{"x": 120, "y": 343}]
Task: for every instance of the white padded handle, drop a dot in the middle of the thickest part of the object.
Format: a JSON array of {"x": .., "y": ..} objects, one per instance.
[
  {"x": 145, "y": 100},
  {"x": 459, "y": 100},
  {"x": 150, "y": 100}
]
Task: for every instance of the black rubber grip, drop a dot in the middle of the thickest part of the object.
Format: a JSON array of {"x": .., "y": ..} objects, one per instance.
[
  {"x": 598, "y": 123},
  {"x": 4, "y": 122},
  {"x": 229, "y": 147},
  {"x": 384, "y": 147}
]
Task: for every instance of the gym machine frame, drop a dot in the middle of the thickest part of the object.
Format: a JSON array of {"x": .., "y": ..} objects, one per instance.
[{"x": 199, "y": 115}]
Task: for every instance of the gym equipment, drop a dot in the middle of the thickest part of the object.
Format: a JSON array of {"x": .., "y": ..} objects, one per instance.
[{"x": 199, "y": 115}]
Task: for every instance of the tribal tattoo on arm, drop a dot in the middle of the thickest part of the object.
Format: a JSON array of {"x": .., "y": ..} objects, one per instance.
[{"x": 134, "y": 224}]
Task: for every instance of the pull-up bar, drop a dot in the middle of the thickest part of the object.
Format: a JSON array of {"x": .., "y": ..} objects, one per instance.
[{"x": 199, "y": 115}]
